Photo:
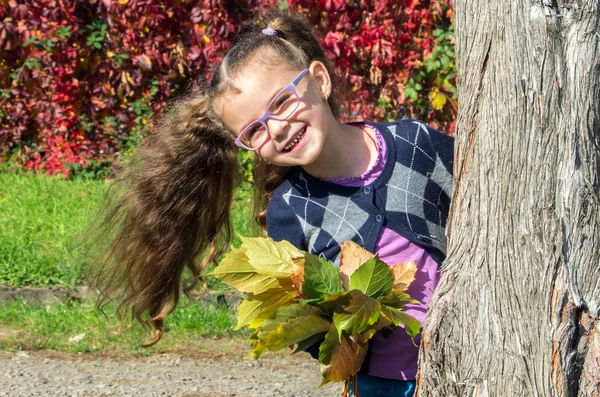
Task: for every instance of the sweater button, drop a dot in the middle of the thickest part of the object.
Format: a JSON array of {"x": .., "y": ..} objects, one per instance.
[
  {"x": 379, "y": 218},
  {"x": 368, "y": 190}
]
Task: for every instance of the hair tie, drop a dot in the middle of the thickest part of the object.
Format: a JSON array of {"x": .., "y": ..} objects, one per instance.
[{"x": 269, "y": 31}]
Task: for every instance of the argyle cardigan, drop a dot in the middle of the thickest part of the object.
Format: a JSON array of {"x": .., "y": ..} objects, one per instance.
[{"x": 410, "y": 197}]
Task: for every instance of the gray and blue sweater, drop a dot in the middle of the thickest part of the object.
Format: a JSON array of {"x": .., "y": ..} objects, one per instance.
[{"x": 411, "y": 197}]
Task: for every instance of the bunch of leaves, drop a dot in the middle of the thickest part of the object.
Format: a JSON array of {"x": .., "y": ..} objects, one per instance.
[
  {"x": 296, "y": 298},
  {"x": 383, "y": 48}
]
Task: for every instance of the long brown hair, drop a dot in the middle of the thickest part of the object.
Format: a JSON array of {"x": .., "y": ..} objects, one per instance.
[{"x": 172, "y": 204}]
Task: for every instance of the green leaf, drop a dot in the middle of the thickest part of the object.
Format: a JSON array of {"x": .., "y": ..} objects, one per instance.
[
  {"x": 374, "y": 278},
  {"x": 445, "y": 61},
  {"x": 358, "y": 315},
  {"x": 321, "y": 277},
  {"x": 411, "y": 325},
  {"x": 340, "y": 358},
  {"x": 303, "y": 345},
  {"x": 331, "y": 303},
  {"x": 30, "y": 41},
  {"x": 397, "y": 299},
  {"x": 270, "y": 257},
  {"x": 235, "y": 270},
  {"x": 255, "y": 309},
  {"x": 291, "y": 324},
  {"x": 411, "y": 93}
]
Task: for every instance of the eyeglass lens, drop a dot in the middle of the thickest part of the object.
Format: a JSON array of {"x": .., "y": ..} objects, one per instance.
[{"x": 280, "y": 108}]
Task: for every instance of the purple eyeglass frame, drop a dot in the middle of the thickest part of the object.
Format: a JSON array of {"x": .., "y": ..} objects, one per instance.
[{"x": 266, "y": 116}]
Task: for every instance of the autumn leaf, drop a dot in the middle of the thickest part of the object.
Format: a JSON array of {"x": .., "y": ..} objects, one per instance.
[
  {"x": 291, "y": 324},
  {"x": 255, "y": 309},
  {"x": 340, "y": 357},
  {"x": 235, "y": 270},
  {"x": 298, "y": 274},
  {"x": 404, "y": 275},
  {"x": 270, "y": 257},
  {"x": 374, "y": 278},
  {"x": 257, "y": 347},
  {"x": 353, "y": 255},
  {"x": 437, "y": 99},
  {"x": 144, "y": 61}
]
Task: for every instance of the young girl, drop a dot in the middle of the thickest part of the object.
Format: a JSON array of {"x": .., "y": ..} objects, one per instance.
[{"x": 383, "y": 186}]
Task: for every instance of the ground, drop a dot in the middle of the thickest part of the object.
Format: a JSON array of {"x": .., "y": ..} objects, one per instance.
[{"x": 191, "y": 374}]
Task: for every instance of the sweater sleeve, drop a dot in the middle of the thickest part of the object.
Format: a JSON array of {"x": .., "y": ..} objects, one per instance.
[{"x": 282, "y": 222}]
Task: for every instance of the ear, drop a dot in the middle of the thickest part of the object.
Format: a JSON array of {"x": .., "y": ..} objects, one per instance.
[{"x": 322, "y": 78}]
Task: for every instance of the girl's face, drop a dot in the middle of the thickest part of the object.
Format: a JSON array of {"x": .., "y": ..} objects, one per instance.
[{"x": 297, "y": 140}]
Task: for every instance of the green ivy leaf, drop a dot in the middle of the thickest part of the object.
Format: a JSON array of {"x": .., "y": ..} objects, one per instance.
[
  {"x": 321, "y": 277},
  {"x": 291, "y": 324},
  {"x": 358, "y": 315},
  {"x": 374, "y": 278}
]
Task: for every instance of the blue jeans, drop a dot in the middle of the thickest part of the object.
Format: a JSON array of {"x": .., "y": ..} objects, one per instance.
[{"x": 372, "y": 386}]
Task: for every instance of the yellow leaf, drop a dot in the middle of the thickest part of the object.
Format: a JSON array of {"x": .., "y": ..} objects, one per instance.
[
  {"x": 235, "y": 270},
  {"x": 404, "y": 274},
  {"x": 269, "y": 257},
  {"x": 255, "y": 309},
  {"x": 123, "y": 2},
  {"x": 206, "y": 39},
  {"x": 110, "y": 54},
  {"x": 437, "y": 99},
  {"x": 353, "y": 256}
]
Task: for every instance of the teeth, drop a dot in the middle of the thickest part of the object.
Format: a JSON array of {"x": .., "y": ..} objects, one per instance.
[{"x": 295, "y": 141}]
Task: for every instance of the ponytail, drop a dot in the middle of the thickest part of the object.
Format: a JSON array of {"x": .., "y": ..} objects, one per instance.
[
  {"x": 172, "y": 205},
  {"x": 175, "y": 208}
]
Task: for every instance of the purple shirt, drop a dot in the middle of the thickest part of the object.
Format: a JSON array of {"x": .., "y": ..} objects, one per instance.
[{"x": 395, "y": 357}]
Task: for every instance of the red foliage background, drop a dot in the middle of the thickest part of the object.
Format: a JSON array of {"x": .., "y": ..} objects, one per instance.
[{"x": 80, "y": 79}]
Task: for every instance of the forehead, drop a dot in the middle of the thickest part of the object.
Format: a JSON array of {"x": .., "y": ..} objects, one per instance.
[{"x": 249, "y": 91}]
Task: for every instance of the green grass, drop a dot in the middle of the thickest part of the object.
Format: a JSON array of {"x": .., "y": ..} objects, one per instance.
[
  {"x": 39, "y": 219},
  {"x": 42, "y": 218},
  {"x": 35, "y": 327}
]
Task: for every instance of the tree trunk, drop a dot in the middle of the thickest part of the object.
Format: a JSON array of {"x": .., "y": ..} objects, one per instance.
[{"x": 517, "y": 309}]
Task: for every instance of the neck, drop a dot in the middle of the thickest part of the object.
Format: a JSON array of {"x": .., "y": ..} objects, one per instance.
[{"x": 347, "y": 152}]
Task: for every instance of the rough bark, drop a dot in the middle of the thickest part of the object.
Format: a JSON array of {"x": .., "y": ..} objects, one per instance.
[{"x": 517, "y": 309}]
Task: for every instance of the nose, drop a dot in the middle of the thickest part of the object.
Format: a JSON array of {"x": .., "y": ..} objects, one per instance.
[{"x": 276, "y": 127}]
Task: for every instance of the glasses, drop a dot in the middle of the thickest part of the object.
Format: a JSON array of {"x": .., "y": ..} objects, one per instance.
[{"x": 281, "y": 107}]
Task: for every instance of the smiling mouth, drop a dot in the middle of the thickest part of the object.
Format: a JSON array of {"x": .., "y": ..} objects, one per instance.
[{"x": 295, "y": 141}]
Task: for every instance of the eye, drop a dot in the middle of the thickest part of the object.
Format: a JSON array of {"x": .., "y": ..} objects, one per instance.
[
  {"x": 283, "y": 104},
  {"x": 252, "y": 130},
  {"x": 281, "y": 100}
]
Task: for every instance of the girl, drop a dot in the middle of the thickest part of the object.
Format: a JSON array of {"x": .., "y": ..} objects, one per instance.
[{"x": 318, "y": 182}]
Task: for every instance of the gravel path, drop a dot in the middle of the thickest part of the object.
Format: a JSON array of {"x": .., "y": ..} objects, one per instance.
[{"x": 203, "y": 374}]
